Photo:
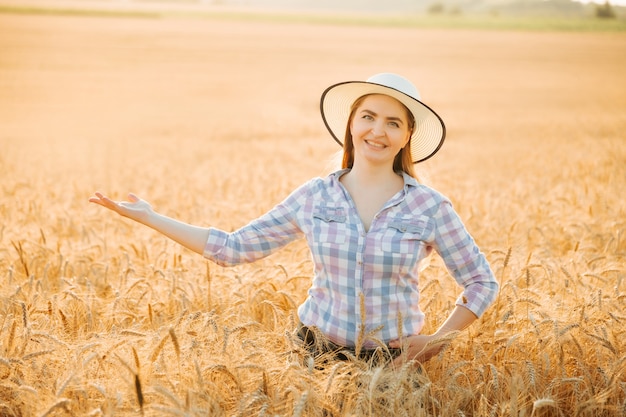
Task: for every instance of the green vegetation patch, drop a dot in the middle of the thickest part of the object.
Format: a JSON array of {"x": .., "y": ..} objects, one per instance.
[
  {"x": 433, "y": 21},
  {"x": 33, "y": 10}
]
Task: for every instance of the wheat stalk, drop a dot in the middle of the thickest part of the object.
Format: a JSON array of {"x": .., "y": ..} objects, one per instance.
[
  {"x": 495, "y": 382},
  {"x": 157, "y": 350},
  {"x": 65, "y": 384},
  {"x": 532, "y": 375},
  {"x": 139, "y": 392},
  {"x": 604, "y": 342},
  {"x": 331, "y": 376},
  {"x": 127, "y": 332},
  {"x": 222, "y": 369},
  {"x": 61, "y": 403},
  {"x": 543, "y": 402},
  {"x": 373, "y": 384},
  {"x": 20, "y": 252},
  {"x": 299, "y": 408},
  {"x": 65, "y": 322},
  {"x": 567, "y": 328},
  {"x": 175, "y": 342},
  {"x": 24, "y": 315},
  {"x": 37, "y": 354},
  {"x": 170, "y": 396},
  {"x": 10, "y": 341},
  {"x": 361, "y": 335}
]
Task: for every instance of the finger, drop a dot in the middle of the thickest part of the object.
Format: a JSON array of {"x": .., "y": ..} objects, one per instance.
[
  {"x": 133, "y": 198},
  {"x": 108, "y": 201},
  {"x": 99, "y": 198},
  {"x": 398, "y": 362}
]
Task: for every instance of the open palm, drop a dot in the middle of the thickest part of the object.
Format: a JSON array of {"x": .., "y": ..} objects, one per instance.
[{"x": 135, "y": 208}]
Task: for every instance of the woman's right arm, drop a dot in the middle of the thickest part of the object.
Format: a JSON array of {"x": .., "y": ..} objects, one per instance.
[{"x": 191, "y": 237}]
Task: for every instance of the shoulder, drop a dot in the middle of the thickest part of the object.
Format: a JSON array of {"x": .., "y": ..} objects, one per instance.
[
  {"x": 422, "y": 195},
  {"x": 416, "y": 189},
  {"x": 426, "y": 190},
  {"x": 324, "y": 184},
  {"x": 318, "y": 187},
  {"x": 314, "y": 185}
]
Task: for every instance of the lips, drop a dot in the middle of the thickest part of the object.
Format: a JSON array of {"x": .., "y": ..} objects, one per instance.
[{"x": 376, "y": 144}]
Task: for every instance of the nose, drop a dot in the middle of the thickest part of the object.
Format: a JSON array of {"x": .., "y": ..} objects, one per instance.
[{"x": 378, "y": 129}]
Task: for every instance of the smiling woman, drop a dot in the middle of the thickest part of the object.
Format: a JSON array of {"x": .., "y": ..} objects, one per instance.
[
  {"x": 368, "y": 227},
  {"x": 97, "y": 310}
]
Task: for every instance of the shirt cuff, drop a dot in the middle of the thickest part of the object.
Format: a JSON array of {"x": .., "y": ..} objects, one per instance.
[{"x": 215, "y": 244}]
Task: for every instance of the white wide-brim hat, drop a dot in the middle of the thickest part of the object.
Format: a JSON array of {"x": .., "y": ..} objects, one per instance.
[{"x": 429, "y": 131}]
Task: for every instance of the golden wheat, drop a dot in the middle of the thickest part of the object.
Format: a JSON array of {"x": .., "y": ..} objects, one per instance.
[{"x": 101, "y": 317}]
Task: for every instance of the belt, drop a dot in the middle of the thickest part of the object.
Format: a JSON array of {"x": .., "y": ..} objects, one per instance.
[{"x": 318, "y": 345}]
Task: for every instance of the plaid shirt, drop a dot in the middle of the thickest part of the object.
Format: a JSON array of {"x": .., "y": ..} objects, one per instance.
[{"x": 376, "y": 269}]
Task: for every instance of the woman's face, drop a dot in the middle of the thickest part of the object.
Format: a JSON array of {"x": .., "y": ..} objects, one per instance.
[{"x": 379, "y": 129}]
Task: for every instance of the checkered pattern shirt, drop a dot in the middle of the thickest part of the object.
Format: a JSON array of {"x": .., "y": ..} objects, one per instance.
[{"x": 376, "y": 269}]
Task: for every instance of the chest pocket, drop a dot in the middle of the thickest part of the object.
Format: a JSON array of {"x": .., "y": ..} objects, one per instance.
[
  {"x": 405, "y": 234},
  {"x": 329, "y": 224}
]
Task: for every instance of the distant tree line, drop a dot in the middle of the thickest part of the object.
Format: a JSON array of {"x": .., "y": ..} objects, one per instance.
[
  {"x": 605, "y": 11},
  {"x": 552, "y": 7}
]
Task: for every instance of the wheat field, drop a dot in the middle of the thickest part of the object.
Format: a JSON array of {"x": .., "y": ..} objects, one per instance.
[{"x": 214, "y": 121}]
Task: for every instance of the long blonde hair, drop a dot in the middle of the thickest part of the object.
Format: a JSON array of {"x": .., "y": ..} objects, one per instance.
[{"x": 401, "y": 163}]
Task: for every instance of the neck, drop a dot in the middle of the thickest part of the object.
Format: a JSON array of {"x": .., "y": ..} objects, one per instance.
[{"x": 373, "y": 175}]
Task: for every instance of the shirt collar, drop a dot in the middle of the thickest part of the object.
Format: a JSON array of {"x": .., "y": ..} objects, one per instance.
[{"x": 408, "y": 180}]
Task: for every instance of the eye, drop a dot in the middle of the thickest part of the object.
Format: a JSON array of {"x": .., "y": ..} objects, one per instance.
[
  {"x": 367, "y": 117},
  {"x": 394, "y": 124}
]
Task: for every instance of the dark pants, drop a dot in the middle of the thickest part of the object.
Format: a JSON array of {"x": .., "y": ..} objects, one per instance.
[{"x": 319, "y": 346}]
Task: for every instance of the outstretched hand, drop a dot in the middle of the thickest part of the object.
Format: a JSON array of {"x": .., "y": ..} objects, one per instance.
[
  {"x": 135, "y": 208},
  {"x": 191, "y": 237}
]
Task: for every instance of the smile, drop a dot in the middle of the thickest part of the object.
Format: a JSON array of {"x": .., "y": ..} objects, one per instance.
[{"x": 376, "y": 144}]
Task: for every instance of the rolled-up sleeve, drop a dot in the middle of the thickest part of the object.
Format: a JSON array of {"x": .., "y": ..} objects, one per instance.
[
  {"x": 467, "y": 264},
  {"x": 260, "y": 237}
]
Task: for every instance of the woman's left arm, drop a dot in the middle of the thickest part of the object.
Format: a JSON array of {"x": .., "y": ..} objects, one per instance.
[
  {"x": 471, "y": 270},
  {"x": 464, "y": 260}
]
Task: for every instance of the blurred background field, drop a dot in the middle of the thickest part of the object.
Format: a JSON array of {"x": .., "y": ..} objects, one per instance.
[
  {"x": 483, "y": 14},
  {"x": 214, "y": 119}
]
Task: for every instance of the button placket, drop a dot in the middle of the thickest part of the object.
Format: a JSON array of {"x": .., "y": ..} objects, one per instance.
[{"x": 359, "y": 272}]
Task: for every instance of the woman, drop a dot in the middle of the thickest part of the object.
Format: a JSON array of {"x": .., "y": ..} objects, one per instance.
[{"x": 368, "y": 227}]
